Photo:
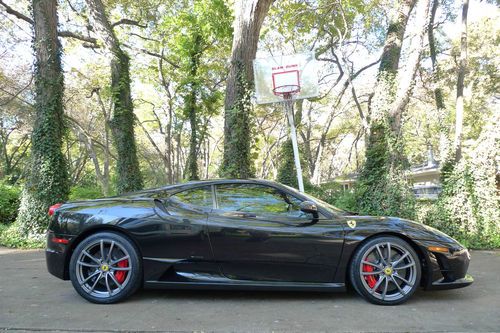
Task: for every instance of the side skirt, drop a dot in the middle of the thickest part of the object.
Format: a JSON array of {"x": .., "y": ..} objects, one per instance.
[{"x": 247, "y": 285}]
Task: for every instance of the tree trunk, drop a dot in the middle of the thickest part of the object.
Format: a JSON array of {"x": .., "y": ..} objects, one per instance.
[
  {"x": 122, "y": 122},
  {"x": 191, "y": 109},
  {"x": 106, "y": 151},
  {"x": 237, "y": 161},
  {"x": 382, "y": 119},
  {"x": 47, "y": 181},
  {"x": 389, "y": 62},
  {"x": 436, "y": 78},
  {"x": 406, "y": 77},
  {"x": 384, "y": 188},
  {"x": 462, "y": 66}
]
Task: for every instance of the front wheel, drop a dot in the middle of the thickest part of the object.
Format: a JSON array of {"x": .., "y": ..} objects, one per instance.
[
  {"x": 385, "y": 270},
  {"x": 105, "y": 268}
]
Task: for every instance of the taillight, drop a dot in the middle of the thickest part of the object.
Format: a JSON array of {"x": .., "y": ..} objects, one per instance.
[
  {"x": 60, "y": 240},
  {"x": 53, "y": 208}
]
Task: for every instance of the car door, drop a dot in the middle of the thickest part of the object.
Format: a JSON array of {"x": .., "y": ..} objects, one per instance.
[
  {"x": 258, "y": 232},
  {"x": 181, "y": 238}
]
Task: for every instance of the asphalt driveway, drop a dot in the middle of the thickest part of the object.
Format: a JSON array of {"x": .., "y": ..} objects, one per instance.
[{"x": 30, "y": 299}]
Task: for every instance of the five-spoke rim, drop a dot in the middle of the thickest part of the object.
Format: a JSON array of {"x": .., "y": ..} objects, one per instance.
[
  {"x": 103, "y": 268},
  {"x": 388, "y": 271}
]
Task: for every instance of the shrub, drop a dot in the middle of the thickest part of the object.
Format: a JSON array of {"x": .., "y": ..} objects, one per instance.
[
  {"x": 347, "y": 201},
  {"x": 468, "y": 208},
  {"x": 11, "y": 236},
  {"x": 334, "y": 195},
  {"x": 83, "y": 193},
  {"x": 9, "y": 203}
]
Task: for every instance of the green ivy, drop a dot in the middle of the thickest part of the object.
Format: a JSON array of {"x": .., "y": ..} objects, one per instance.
[
  {"x": 237, "y": 161},
  {"x": 469, "y": 205},
  {"x": 47, "y": 182},
  {"x": 383, "y": 188},
  {"x": 122, "y": 126},
  {"x": 287, "y": 173}
]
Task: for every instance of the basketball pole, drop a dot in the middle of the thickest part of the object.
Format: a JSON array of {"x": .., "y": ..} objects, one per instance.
[{"x": 293, "y": 133}]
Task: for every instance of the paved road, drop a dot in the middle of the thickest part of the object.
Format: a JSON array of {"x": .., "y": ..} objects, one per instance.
[{"x": 30, "y": 299}]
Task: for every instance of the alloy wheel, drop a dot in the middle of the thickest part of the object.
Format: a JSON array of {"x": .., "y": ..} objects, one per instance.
[
  {"x": 103, "y": 268},
  {"x": 388, "y": 271}
]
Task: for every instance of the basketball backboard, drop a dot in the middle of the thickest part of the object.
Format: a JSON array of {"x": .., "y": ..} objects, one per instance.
[{"x": 291, "y": 76}]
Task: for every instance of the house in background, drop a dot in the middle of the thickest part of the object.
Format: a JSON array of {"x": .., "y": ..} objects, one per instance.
[{"x": 425, "y": 179}]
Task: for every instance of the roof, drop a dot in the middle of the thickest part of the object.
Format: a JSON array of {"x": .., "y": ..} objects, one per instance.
[{"x": 193, "y": 183}]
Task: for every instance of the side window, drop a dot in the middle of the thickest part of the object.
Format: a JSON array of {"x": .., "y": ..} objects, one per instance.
[
  {"x": 257, "y": 199},
  {"x": 197, "y": 197}
]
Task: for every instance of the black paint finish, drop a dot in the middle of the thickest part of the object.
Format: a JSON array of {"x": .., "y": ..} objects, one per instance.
[{"x": 186, "y": 246}]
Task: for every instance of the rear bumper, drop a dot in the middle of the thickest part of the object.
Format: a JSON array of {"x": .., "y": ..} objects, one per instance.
[
  {"x": 55, "y": 263},
  {"x": 56, "y": 256}
]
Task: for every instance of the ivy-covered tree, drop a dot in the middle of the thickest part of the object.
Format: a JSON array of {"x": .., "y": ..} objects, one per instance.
[
  {"x": 287, "y": 173},
  {"x": 47, "y": 182},
  {"x": 122, "y": 122},
  {"x": 383, "y": 188},
  {"x": 237, "y": 160}
]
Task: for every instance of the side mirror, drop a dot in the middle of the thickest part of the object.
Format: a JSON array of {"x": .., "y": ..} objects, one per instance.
[
  {"x": 309, "y": 207},
  {"x": 160, "y": 204}
]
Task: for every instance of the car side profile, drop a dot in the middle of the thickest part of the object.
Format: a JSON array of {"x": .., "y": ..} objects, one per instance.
[{"x": 244, "y": 234}]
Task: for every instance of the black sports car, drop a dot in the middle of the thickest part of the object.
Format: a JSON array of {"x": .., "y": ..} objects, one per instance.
[{"x": 244, "y": 234}]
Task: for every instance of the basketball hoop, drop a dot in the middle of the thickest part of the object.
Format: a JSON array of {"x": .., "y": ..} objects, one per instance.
[
  {"x": 285, "y": 79},
  {"x": 286, "y": 91}
]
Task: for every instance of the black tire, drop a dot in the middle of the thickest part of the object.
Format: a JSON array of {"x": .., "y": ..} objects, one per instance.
[
  {"x": 383, "y": 280},
  {"x": 90, "y": 271}
]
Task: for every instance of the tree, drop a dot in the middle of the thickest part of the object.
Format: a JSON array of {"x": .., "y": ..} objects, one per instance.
[
  {"x": 436, "y": 78},
  {"x": 462, "y": 66},
  {"x": 197, "y": 33},
  {"x": 237, "y": 161},
  {"x": 383, "y": 188},
  {"x": 122, "y": 122},
  {"x": 47, "y": 182},
  {"x": 16, "y": 114}
]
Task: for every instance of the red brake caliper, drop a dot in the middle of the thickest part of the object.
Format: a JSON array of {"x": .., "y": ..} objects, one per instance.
[
  {"x": 370, "y": 279},
  {"x": 121, "y": 275}
]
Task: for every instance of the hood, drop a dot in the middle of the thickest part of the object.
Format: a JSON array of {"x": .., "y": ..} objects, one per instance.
[
  {"x": 424, "y": 232},
  {"x": 412, "y": 229}
]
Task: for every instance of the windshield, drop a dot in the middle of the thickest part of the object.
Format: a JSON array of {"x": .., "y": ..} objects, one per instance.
[{"x": 326, "y": 205}]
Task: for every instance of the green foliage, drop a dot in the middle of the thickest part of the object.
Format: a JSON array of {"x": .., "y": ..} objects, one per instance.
[
  {"x": 346, "y": 200},
  {"x": 237, "y": 161},
  {"x": 11, "y": 236},
  {"x": 198, "y": 34},
  {"x": 303, "y": 23},
  {"x": 469, "y": 206},
  {"x": 47, "y": 182},
  {"x": 84, "y": 193},
  {"x": 287, "y": 173},
  {"x": 382, "y": 188},
  {"x": 122, "y": 126},
  {"x": 334, "y": 195},
  {"x": 9, "y": 203}
]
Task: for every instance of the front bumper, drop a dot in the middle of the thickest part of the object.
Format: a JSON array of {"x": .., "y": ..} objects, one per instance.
[
  {"x": 441, "y": 284},
  {"x": 448, "y": 271}
]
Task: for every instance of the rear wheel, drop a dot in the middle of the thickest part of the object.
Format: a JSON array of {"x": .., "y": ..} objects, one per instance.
[
  {"x": 105, "y": 268},
  {"x": 385, "y": 270}
]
